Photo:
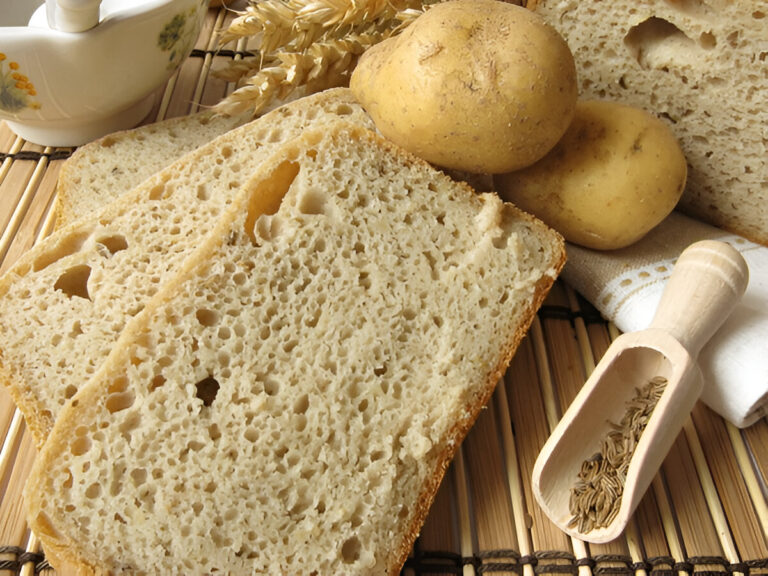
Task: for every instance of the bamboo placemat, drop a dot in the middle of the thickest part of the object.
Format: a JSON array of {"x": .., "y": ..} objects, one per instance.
[{"x": 706, "y": 512}]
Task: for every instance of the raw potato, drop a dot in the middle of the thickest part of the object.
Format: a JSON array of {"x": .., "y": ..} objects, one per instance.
[
  {"x": 617, "y": 172},
  {"x": 476, "y": 85}
]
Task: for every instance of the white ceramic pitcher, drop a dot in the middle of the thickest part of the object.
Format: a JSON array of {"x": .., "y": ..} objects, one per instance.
[{"x": 74, "y": 70}]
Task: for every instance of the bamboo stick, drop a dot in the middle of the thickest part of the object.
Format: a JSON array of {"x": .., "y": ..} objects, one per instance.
[
  {"x": 512, "y": 465},
  {"x": 33, "y": 546},
  {"x": 528, "y": 416},
  {"x": 202, "y": 78},
  {"x": 668, "y": 521},
  {"x": 749, "y": 474},
  {"x": 10, "y": 441},
  {"x": 491, "y": 507},
  {"x": 465, "y": 516},
  {"x": 5, "y": 167}
]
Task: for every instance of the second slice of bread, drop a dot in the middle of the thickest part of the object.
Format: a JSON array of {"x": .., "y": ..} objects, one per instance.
[
  {"x": 101, "y": 171},
  {"x": 290, "y": 401},
  {"x": 64, "y": 303}
]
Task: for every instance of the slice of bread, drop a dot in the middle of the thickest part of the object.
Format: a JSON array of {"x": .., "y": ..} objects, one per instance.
[
  {"x": 290, "y": 401},
  {"x": 64, "y": 303},
  {"x": 702, "y": 67},
  {"x": 104, "y": 169}
]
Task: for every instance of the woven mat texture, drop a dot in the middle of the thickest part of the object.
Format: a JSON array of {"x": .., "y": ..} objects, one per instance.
[{"x": 705, "y": 513}]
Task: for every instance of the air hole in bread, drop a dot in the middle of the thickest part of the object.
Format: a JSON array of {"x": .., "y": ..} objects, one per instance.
[
  {"x": 350, "y": 550},
  {"x": 117, "y": 385},
  {"x": 758, "y": 15},
  {"x": 281, "y": 451},
  {"x": 139, "y": 476},
  {"x": 192, "y": 446},
  {"x": 311, "y": 202},
  {"x": 251, "y": 434},
  {"x": 66, "y": 247},
  {"x": 271, "y": 386},
  {"x": 206, "y": 390},
  {"x": 239, "y": 278},
  {"x": 157, "y": 192},
  {"x": 207, "y": 317},
  {"x": 299, "y": 422},
  {"x": 114, "y": 243},
  {"x": 275, "y": 136},
  {"x": 131, "y": 423},
  {"x": 80, "y": 446},
  {"x": 74, "y": 282},
  {"x": 70, "y": 391},
  {"x": 301, "y": 404},
  {"x": 119, "y": 401},
  {"x": 226, "y": 151},
  {"x": 157, "y": 382},
  {"x": 707, "y": 40},
  {"x": 265, "y": 200},
  {"x": 343, "y": 110},
  {"x": 93, "y": 491},
  {"x": 656, "y": 44}
]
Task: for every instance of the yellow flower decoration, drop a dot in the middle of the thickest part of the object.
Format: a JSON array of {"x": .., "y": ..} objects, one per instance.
[{"x": 15, "y": 88}]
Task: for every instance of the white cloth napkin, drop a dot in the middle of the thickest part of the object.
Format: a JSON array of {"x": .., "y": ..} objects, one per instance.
[{"x": 626, "y": 285}]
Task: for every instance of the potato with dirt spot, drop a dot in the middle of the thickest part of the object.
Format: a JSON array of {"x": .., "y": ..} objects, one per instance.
[
  {"x": 476, "y": 85},
  {"x": 617, "y": 172}
]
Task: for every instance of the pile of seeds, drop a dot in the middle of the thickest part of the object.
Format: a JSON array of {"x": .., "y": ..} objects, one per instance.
[{"x": 596, "y": 496}]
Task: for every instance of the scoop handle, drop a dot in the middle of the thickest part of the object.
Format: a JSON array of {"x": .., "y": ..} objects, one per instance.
[{"x": 707, "y": 282}]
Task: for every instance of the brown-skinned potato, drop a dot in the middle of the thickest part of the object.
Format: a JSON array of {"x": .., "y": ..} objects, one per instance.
[
  {"x": 475, "y": 85},
  {"x": 617, "y": 172}
]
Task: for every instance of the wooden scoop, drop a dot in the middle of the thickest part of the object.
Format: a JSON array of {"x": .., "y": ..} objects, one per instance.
[{"x": 706, "y": 283}]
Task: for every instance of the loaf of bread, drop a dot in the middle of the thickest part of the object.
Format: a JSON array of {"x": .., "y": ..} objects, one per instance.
[
  {"x": 289, "y": 402},
  {"x": 64, "y": 303},
  {"x": 702, "y": 67},
  {"x": 102, "y": 170}
]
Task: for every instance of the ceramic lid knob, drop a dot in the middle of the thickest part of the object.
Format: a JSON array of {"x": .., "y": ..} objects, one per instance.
[{"x": 76, "y": 15}]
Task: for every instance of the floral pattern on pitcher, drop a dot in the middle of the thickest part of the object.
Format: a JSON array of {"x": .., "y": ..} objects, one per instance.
[
  {"x": 178, "y": 35},
  {"x": 16, "y": 91}
]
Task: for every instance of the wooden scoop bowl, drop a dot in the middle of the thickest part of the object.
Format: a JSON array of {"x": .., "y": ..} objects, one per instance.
[{"x": 708, "y": 280}]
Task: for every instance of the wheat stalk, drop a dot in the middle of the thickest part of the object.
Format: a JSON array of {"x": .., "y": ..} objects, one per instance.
[
  {"x": 322, "y": 65},
  {"x": 306, "y": 44}
]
